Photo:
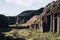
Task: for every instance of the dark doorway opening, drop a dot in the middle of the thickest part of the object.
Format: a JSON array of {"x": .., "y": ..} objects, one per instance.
[
  {"x": 48, "y": 23},
  {"x": 55, "y": 25},
  {"x": 44, "y": 27}
]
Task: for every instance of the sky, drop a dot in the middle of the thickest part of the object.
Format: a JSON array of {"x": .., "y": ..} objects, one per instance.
[{"x": 15, "y": 7}]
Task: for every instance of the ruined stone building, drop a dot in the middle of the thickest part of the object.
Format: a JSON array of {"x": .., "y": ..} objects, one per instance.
[{"x": 50, "y": 18}]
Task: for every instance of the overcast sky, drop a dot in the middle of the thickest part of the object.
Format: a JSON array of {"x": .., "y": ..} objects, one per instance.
[{"x": 14, "y": 7}]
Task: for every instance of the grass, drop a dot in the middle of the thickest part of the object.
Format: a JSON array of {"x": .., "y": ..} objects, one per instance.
[{"x": 31, "y": 34}]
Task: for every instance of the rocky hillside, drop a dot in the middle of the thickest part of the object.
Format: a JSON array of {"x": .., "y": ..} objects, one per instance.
[{"x": 26, "y": 15}]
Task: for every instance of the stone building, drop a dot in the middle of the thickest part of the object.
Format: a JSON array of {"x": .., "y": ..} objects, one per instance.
[{"x": 50, "y": 18}]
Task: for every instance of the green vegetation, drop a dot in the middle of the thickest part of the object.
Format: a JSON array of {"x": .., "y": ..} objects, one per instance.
[{"x": 31, "y": 34}]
